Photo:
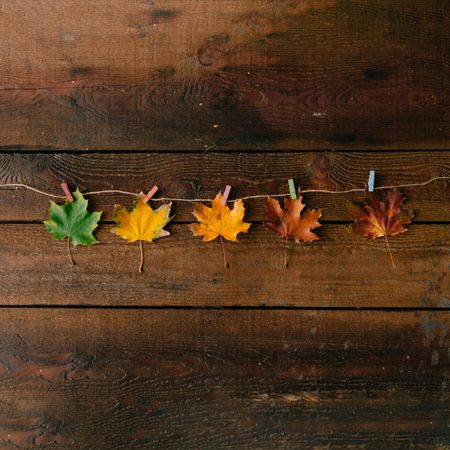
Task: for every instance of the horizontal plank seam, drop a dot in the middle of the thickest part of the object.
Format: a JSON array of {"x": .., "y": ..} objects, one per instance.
[
  {"x": 230, "y": 307},
  {"x": 253, "y": 222},
  {"x": 11, "y": 149},
  {"x": 85, "y": 87}
]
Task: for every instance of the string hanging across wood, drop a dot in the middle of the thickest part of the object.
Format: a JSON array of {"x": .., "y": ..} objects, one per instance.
[
  {"x": 248, "y": 197},
  {"x": 374, "y": 219}
]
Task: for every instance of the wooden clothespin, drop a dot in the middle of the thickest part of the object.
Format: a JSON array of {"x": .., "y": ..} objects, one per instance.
[
  {"x": 226, "y": 193},
  {"x": 67, "y": 192},
  {"x": 292, "y": 190},
  {"x": 150, "y": 194},
  {"x": 371, "y": 182}
]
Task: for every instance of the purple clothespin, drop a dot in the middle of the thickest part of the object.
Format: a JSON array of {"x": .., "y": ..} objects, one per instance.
[{"x": 226, "y": 193}]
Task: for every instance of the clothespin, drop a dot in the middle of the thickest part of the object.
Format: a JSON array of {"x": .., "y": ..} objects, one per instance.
[
  {"x": 150, "y": 194},
  {"x": 226, "y": 193},
  {"x": 371, "y": 182},
  {"x": 292, "y": 190},
  {"x": 66, "y": 190}
]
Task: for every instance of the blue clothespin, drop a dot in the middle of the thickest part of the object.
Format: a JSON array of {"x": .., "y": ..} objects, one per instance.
[{"x": 371, "y": 183}]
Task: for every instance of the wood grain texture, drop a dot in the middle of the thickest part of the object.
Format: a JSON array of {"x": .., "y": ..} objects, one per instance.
[
  {"x": 265, "y": 78},
  {"x": 187, "y": 175},
  {"x": 339, "y": 270},
  {"x": 223, "y": 379},
  {"x": 250, "y": 74}
]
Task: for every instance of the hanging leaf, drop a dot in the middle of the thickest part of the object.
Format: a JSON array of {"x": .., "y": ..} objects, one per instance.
[
  {"x": 219, "y": 221},
  {"x": 376, "y": 218},
  {"x": 289, "y": 223},
  {"x": 142, "y": 223},
  {"x": 73, "y": 221}
]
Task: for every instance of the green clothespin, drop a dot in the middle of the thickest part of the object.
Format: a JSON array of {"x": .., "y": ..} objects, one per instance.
[{"x": 292, "y": 190}]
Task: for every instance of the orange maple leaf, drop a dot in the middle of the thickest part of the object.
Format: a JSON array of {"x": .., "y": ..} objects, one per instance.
[
  {"x": 376, "y": 218},
  {"x": 289, "y": 222},
  {"x": 219, "y": 221}
]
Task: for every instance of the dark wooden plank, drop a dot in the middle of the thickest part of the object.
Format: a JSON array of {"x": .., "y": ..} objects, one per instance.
[
  {"x": 232, "y": 75},
  {"x": 188, "y": 176},
  {"x": 339, "y": 270},
  {"x": 130, "y": 45},
  {"x": 223, "y": 379}
]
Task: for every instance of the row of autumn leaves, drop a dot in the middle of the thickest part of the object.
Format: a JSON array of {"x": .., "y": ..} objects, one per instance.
[{"x": 373, "y": 219}]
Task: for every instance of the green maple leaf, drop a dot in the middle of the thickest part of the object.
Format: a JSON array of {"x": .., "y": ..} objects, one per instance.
[{"x": 73, "y": 221}]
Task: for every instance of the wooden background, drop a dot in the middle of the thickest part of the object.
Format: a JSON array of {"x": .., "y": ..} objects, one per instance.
[{"x": 339, "y": 350}]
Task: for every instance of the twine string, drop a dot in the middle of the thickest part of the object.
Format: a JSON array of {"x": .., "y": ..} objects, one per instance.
[{"x": 248, "y": 197}]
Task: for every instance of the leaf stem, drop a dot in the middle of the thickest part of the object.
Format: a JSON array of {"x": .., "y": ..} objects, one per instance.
[
  {"x": 141, "y": 247},
  {"x": 285, "y": 252},
  {"x": 69, "y": 252},
  {"x": 225, "y": 261},
  {"x": 390, "y": 252}
]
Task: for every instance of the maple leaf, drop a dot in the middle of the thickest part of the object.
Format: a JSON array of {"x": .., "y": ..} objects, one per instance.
[
  {"x": 219, "y": 221},
  {"x": 142, "y": 223},
  {"x": 73, "y": 221},
  {"x": 376, "y": 218},
  {"x": 289, "y": 222}
]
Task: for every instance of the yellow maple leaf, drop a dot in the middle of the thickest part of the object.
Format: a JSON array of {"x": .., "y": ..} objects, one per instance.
[
  {"x": 142, "y": 223},
  {"x": 219, "y": 221}
]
